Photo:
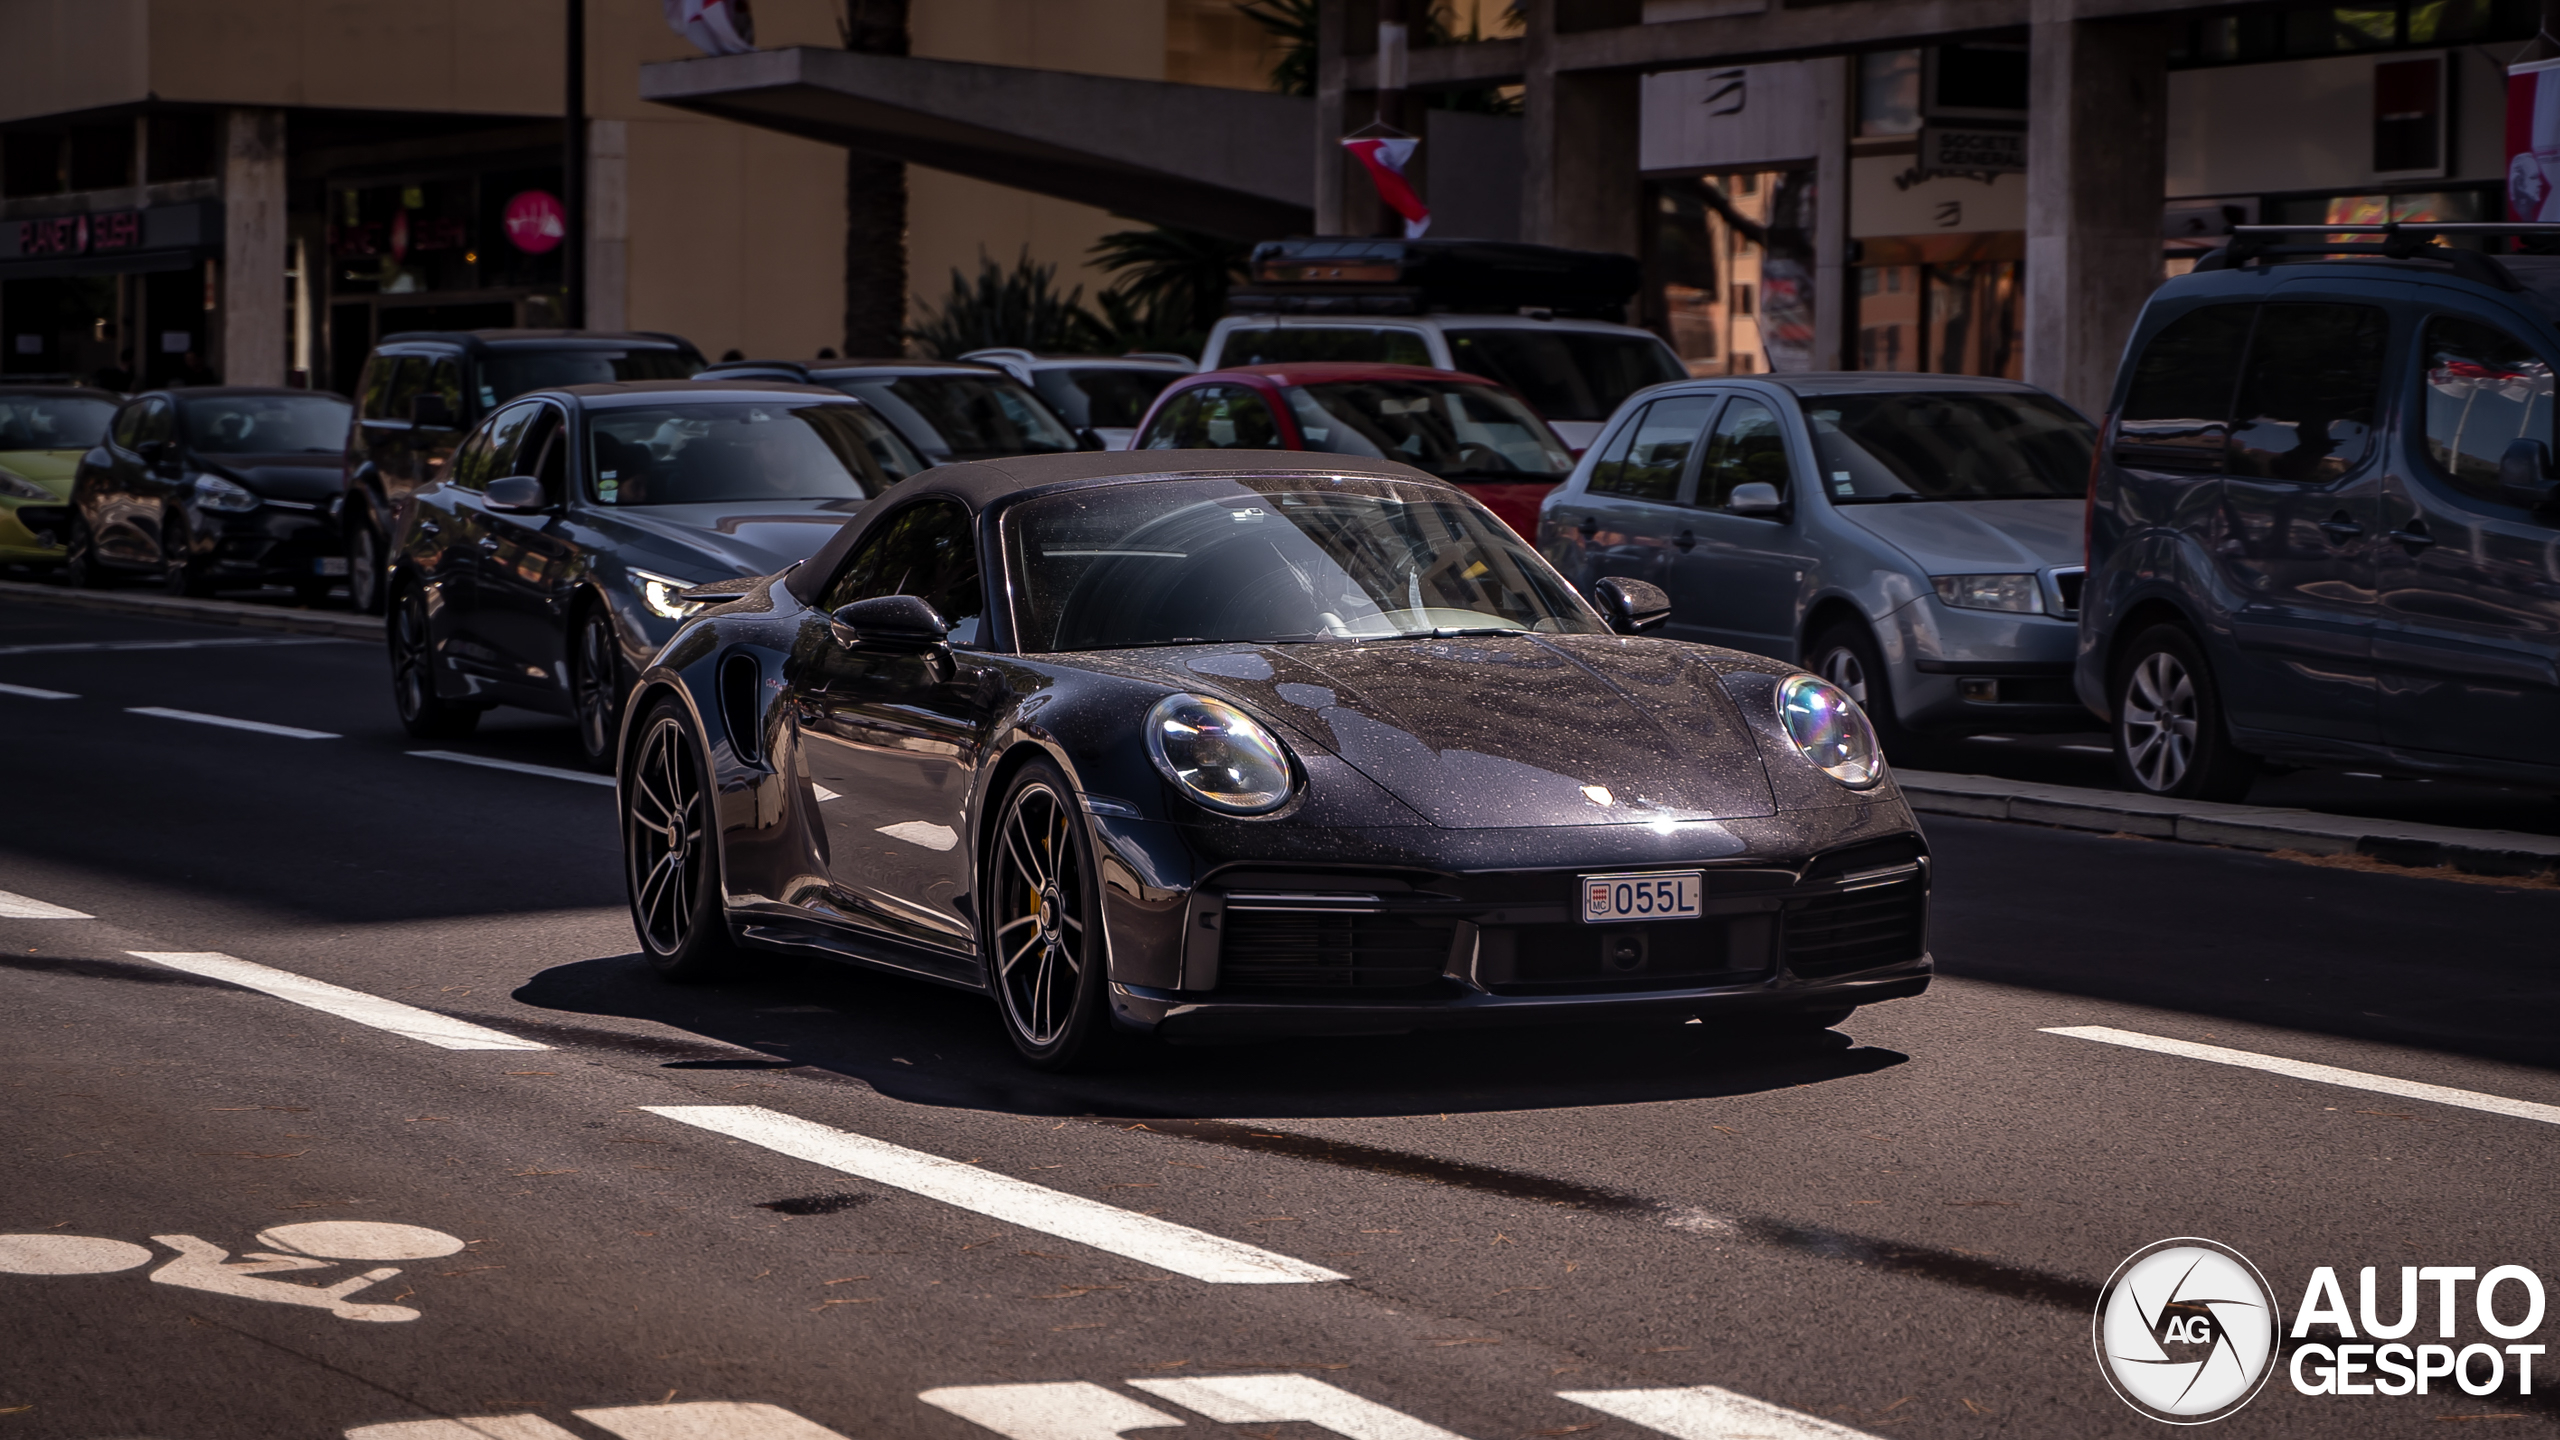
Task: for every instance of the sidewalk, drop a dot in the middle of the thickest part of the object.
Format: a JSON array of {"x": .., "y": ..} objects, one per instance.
[
  {"x": 2245, "y": 827},
  {"x": 202, "y": 612}
]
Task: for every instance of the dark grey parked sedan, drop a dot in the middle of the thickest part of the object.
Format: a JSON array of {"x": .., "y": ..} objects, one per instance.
[{"x": 565, "y": 540}]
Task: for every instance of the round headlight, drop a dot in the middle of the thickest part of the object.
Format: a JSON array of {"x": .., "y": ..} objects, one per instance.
[
  {"x": 1218, "y": 755},
  {"x": 1831, "y": 731}
]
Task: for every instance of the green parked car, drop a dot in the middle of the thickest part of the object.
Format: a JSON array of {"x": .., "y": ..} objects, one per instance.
[{"x": 44, "y": 429}]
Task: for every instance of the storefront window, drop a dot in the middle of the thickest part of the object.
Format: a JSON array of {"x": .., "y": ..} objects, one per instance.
[
  {"x": 440, "y": 235},
  {"x": 1945, "y": 304},
  {"x": 1731, "y": 271}
]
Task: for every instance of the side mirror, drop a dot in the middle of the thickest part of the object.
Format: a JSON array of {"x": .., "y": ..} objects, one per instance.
[
  {"x": 889, "y": 622},
  {"x": 1087, "y": 439},
  {"x": 430, "y": 412},
  {"x": 1756, "y": 497},
  {"x": 517, "y": 495},
  {"x": 154, "y": 451},
  {"x": 2524, "y": 474},
  {"x": 1631, "y": 607}
]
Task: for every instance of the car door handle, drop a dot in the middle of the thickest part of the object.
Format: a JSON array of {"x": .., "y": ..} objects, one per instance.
[
  {"x": 1688, "y": 541},
  {"x": 1589, "y": 527},
  {"x": 2338, "y": 527},
  {"x": 488, "y": 542},
  {"x": 2415, "y": 535}
]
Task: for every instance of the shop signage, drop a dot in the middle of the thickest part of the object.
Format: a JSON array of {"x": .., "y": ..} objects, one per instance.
[
  {"x": 1972, "y": 150},
  {"x": 109, "y": 233},
  {"x": 536, "y": 222},
  {"x": 1729, "y": 117}
]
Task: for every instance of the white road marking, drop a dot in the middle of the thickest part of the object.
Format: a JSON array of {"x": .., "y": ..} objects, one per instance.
[
  {"x": 706, "y": 1420},
  {"x": 78, "y": 647},
  {"x": 924, "y": 833},
  {"x": 291, "y": 732},
  {"x": 203, "y": 1265},
  {"x": 68, "y": 1255},
  {"x": 471, "y": 1427},
  {"x": 1066, "y": 1410},
  {"x": 1704, "y": 1412},
  {"x": 406, "y": 1020},
  {"x": 1280, "y": 1399},
  {"x": 823, "y": 793},
  {"x": 19, "y": 907},
  {"x": 361, "y": 1240},
  {"x": 2317, "y": 1074},
  {"x": 556, "y": 773},
  {"x": 32, "y": 693},
  {"x": 1160, "y": 1243}
]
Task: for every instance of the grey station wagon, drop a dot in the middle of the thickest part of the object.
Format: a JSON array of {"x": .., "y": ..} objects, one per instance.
[
  {"x": 1915, "y": 539},
  {"x": 2323, "y": 528}
]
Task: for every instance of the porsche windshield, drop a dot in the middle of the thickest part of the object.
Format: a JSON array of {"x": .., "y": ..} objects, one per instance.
[{"x": 1273, "y": 559}]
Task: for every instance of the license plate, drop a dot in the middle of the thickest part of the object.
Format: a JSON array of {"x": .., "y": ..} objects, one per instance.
[
  {"x": 329, "y": 565},
  {"x": 1655, "y": 895}
]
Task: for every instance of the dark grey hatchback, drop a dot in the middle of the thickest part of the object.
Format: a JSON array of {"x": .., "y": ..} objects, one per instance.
[{"x": 2322, "y": 523}]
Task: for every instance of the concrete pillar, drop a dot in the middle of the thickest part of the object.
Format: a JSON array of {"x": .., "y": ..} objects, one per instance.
[
  {"x": 608, "y": 224},
  {"x": 249, "y": 305},
  {"x": 2097, "y": 133},
  {"x": 1834, "y": 113},
  {"x": 1581, "y": 189},
  {"x": 1332, "y": 61}
]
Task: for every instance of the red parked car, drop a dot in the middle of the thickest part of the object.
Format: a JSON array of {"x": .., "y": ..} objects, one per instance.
[{"x": 1459, "y": 427}]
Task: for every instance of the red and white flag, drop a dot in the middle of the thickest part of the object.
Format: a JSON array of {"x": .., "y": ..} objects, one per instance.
[
  {"x": 716, "y": 27},
  {"x": 1385, "y": 160}
]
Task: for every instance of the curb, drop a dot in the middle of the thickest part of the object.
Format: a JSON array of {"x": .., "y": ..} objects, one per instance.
[
  {"x": 2242, "y": 827},
  {"x": 202, "y": 612}
]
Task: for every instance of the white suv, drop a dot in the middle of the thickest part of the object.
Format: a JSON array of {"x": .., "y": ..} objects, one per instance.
[
  {"x": 1106, "y": 394},
  {"x": 1572, "y": 372}
]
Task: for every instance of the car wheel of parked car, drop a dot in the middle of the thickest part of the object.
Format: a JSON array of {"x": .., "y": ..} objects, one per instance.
[
  {"x": 423, "y": 713},
  {"x": 1846, "y": 655},
  {"x": 671, "y": 853},
  {"x": 1041, "y": 926},
  {"x": 2171, "y": 737},
  {"x": 80, "y": 560},
  {"x": 595, "y": 688},
  {"x": 364, "y": 562},
  {"x": 182, "y": 576}
]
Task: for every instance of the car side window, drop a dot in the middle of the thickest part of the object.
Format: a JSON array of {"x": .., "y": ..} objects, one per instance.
[
  {"x": 375, "y": 386},
  {"x": 2485, "y": 390},
  {"x": 1180, "y": 417},
  {"x": 444, "y": 378},
  {"x": 158, "y": 422},
  {"x": 2177, "y": 412},
  {"x": 926, "y": 550},
  {"x": 553, "y": 469},
  {"x": 1749, "y": 445},
  {"x": 491, "y": 450},
  {"x": 128, "y": 426},
  {"x": 406, "y": 382},
  {"x": 1657, "y": 449},
  {"x": 2309, "y": 397},
  {"x": 1215, "y": 417}
]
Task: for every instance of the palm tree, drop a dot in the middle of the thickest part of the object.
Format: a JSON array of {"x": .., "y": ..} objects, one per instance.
[
  {"x": 1169, "y": 285},
  {"x": 1020, "y": 307}
]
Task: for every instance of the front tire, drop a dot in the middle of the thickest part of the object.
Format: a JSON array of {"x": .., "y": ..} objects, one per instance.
[
  {"x": 670, "y": 851},
  {"x": 365, "y": 578},
  {"x": 1041, "y": 931},
  {"x": 2172, "y": 736},
  {"x": 182, "y": 576},
  {"x": 595, "y": 688},
  {"x": 423, "y": 713},
  {"x": 80, "y": 564},
  {"x": 1847, "y": 655}
]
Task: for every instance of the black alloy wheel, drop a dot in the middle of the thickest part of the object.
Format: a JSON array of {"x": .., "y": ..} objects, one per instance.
[
  {"x": 80, "y": 559},
  {"x": 1044, "y": 949},
  {"x": 364, "y": 562},
  {"x": 2172, "y": 738},
  {"x": 180, "y": 574},
  {"x": 423, "y": 713},
  {"x": 670, "y": 852},
  {"x": 1845, "y": 654},
  {"x": 595, "y": 688}
]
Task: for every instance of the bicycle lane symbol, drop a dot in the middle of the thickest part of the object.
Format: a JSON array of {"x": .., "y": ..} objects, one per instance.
[{"x": 202, "y": 1265}]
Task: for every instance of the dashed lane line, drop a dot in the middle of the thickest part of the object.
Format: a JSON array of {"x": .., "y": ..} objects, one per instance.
[
  {"x": 555, "y": 772},
  {"x": 92, "y": 647},
  {"x": 693, "y": 1420},
  {"x": 1705, "y": 1412},
  {"x": 29, "y": 692},
  {"x": 2317, "y": 1074},
  {"x": 1283, "y": 1399},
  {"x": 1143, "y": 1238},
  {"x": 291, "y": 732},
  {"x": 19, "y": 907},
  {"x": 409, "y": 1021}
]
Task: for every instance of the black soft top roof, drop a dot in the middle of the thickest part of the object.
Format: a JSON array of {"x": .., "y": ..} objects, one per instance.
[{"x": 981, "y": 483}]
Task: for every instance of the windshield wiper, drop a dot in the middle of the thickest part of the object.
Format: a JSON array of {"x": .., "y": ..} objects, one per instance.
[{"x": 1452, "y": 632}]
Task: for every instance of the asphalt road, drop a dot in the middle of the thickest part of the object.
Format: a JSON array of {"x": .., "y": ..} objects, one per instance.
[{"x": 1898, "y": 1227}]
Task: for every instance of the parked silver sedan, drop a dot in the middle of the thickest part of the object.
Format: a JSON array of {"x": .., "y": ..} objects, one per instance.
[{"x": 1915, "y": 539}]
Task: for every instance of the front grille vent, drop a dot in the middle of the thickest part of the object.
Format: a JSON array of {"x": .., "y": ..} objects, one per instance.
[
  {"x": 1861, "y": 928},
  {"x": 1274, "y": 949}
]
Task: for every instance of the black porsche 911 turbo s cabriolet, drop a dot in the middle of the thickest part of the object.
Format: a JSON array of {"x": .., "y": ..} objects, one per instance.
[{"x": 1206, "y": 745}]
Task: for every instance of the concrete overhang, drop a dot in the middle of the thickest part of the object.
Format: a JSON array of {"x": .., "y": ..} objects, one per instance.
[{"x": 1239, "y": 163}]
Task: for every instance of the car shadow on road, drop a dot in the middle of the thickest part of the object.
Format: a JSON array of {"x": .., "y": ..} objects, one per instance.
[{"x": 932, "y": 1046}]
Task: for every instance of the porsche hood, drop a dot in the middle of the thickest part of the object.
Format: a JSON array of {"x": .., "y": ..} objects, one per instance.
[{"x": 1506, "y": 731}]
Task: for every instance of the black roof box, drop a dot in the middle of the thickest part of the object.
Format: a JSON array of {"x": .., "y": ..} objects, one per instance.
[{"x": 1337, "y": 275}]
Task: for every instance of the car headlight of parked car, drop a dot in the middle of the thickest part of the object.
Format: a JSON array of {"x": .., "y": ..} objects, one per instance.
[
  {"x": 659, "y": 592},
  {"x": 1830, "y": 731},
  {"x": 1218, "y": 755},
  {"x": 215, "y": 493},
  {"x": 2018, "y": 594},
  {"x": 19, "y": 487}
]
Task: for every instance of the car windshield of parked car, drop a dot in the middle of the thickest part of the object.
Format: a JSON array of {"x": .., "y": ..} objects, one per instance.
[
  {"x": 1456, "y": 431},
  {"x": 1274, "y": 559},
  {"x": 506, "y": 374},
  {"x": 703, "y": 454},
  {"x": 1949, "y": 446},
  {"x": 965, "y": 416},
  {"x": 1105, "y": 397},
  {"x": 267, "y": 424},
  {"x": 1565, "y": 374},
  {"x": 53, "y": 422}
]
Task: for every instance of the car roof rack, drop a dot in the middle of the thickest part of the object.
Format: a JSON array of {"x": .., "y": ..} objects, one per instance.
[{"x": 2397, "y": 240}]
